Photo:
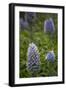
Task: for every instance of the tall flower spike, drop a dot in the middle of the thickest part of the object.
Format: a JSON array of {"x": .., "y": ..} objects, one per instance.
[
  {"x": 23, "y": 23},
  {"x": 49, "y": 26},
  {"x": 30, "y": 16},
  {"x": 50, "y": 56},
  {"x": 33, "y": 57}
]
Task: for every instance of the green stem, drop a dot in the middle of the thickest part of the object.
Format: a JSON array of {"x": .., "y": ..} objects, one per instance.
[
  {"x": 31, "y": 32},
  {"x": 51, "y": 41}
]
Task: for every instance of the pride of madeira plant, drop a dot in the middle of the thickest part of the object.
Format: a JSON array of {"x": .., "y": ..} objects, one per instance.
[
  {"x": 38, "y": 34},
  {"x": 33, "y": 57}
]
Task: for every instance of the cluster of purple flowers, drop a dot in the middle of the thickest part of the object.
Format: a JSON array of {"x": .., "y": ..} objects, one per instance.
[
  {"x": 23, "y": 23},
  {"x": 33, "y": 63},
  {"x": 29, "y": 18}
]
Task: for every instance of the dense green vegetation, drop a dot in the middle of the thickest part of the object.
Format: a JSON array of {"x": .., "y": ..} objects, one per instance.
[{"x": 35, "y": 33}]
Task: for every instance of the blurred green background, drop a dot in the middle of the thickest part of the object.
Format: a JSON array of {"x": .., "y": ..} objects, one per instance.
[{"x": 44, "y": 43}]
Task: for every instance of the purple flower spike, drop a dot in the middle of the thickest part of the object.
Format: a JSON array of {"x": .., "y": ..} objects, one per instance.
[
  {"x": 33, "y": 57},
  {"x": 30, "y": 16},
  {"x": 49, "y": 26},
  {"x": 23, "y": 23},
  {"x": 50, "y": 56}
]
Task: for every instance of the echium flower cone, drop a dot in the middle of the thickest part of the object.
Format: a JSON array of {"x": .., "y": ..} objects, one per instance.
[
  {"x": 30, "y": 17},
  {"x": 33, "y": 64},
  {"x": 49, "y": 26},
  {"x": 50, "y": 56}
]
